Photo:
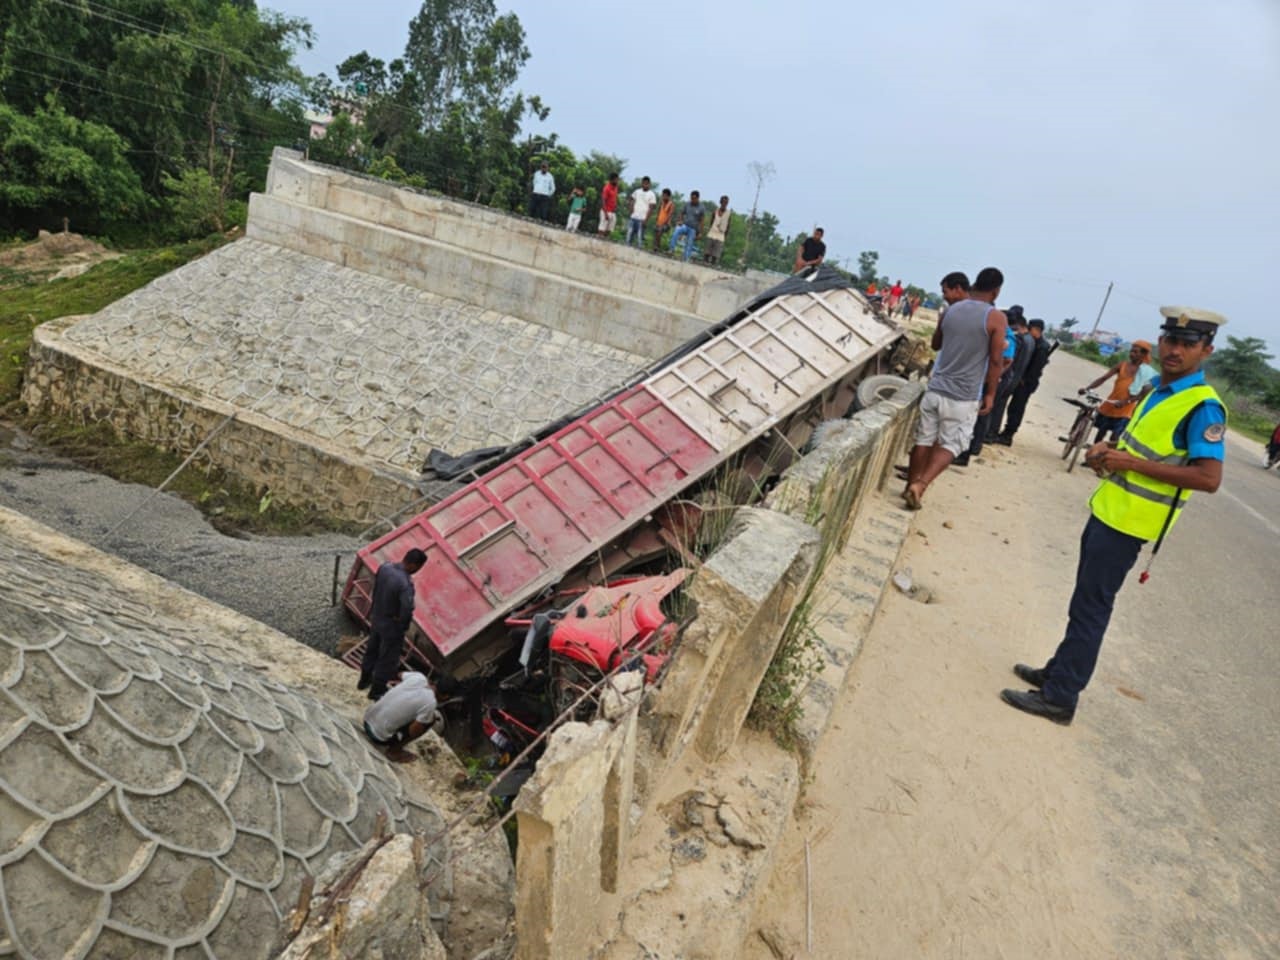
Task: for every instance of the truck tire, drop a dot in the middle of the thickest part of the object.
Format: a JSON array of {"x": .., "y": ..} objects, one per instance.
[{"x": 871, "y": 390}]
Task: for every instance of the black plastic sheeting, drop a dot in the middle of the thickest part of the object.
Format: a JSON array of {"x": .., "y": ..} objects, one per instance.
[{"x": 443, "y": 466}]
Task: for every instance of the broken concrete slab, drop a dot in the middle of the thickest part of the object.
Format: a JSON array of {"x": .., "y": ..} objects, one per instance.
[
  {"x": 691, "y": 884},
  {"x": 369, "y": 904}
]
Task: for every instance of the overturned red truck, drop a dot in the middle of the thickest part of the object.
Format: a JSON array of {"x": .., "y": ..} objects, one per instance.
[{"x": 610, "y": 488}]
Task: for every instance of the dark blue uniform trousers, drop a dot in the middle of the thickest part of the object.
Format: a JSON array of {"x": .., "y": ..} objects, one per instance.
[
  {"x": 381, "y": 659},
  {"x": 1106, "y": 557}
]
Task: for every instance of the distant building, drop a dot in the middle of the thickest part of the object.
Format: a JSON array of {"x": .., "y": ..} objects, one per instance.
[{"x": 319, "y": 123}]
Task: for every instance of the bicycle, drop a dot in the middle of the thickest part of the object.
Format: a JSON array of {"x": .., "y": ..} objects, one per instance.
[{"x": 1077, "y": 437}]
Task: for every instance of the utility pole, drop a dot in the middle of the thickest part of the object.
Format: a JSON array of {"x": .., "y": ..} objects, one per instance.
[
  {"x": 760, "y": 172},
  {"x": 1101, "y": 308}
]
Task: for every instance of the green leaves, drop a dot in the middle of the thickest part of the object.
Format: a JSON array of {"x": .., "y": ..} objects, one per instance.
[
  {"x": 180, "y": 80},
  {"x": 53, "y": 165}
]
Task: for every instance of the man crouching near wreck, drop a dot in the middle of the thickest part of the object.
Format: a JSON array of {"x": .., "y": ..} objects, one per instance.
[{"x": 405, "y": 713}]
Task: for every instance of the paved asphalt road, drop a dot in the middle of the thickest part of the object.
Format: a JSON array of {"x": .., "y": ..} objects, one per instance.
[{"x": 1195, "y": 805}]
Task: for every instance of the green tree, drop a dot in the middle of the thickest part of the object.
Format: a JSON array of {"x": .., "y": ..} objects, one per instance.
[
  {"x": 53, "y": 166},
  {"x": 199, "y": 204},
  {"x": 1242, "y": 363},
  {"x": 462, "y": 52},
  {"x": 186, "y": 82},
  {"x": 343, "y": 144},
  {"x": 769, "y": 249},
  {"x": 868, "y": 266}
]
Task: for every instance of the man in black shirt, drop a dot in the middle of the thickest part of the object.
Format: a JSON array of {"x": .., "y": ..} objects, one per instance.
[
  {"x": 1029, "y": 384},
  {"x": 390, "y": 613},
  {"x": 1024, "y": 351},
  {"x": 811, "y": 251}
]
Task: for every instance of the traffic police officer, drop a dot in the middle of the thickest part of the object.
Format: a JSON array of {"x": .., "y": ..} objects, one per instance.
[{"x": 1172, "y": 446}]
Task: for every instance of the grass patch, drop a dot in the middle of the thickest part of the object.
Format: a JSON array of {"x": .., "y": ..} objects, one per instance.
[
  {"x": 799, "y": 658},
  {"x": 25, "y": 304},
  {"x": 232, "y": 506},
  {"x": 1246, "y": 414}
]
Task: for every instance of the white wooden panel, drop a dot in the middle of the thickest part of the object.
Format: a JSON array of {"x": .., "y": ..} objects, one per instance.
[{"x": 770, "y": 364}]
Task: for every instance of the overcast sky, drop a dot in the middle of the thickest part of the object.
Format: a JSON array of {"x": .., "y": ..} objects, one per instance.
[{"x": 1069, "y": 143}]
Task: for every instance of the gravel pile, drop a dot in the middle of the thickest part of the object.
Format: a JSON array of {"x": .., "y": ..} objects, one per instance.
[{"x": 284, "y": 582}]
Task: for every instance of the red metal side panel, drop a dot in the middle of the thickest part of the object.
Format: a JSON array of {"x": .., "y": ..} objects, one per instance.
[{"x": 522, "y": 526}]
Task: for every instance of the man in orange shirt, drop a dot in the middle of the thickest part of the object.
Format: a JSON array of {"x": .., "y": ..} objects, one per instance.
[
  {"x": 1133, "y": 382},
  {"x": 666, "y": 210}
]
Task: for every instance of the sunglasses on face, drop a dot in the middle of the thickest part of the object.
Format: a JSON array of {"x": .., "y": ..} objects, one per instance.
[{"x": 1186, "y": 337}]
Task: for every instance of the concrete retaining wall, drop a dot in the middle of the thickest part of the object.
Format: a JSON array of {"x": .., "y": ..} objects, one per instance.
[
  {"x": 263, "y": 453},
  {"x": 605, "y": 292},
  {"x": 824, "y": 519}
]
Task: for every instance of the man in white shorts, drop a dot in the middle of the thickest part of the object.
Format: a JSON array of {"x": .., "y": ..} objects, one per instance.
[{"x": 969, "y": 339}]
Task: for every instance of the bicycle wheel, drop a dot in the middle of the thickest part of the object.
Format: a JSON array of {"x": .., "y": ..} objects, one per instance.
[
  {"x": 1079, "y": 438},
  {"x": 1073, "y": 437}
]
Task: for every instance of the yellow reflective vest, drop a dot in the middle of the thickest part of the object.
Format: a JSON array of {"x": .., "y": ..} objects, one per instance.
[{"x": 1132, "y": 502}]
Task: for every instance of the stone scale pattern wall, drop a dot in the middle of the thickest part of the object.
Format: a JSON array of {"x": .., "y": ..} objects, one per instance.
[{"x": 157, "y": 803}]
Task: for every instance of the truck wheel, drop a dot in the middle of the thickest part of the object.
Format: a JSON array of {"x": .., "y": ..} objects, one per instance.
[{"x": 871, "y": 390}]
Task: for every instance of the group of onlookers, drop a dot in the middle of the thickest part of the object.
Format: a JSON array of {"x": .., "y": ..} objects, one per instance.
[
  {"x": 895, "y": 298},
  {"x": 645, "y": 208},
  {"x": 1167, "y": 432},
  {"x": 981, "y": 381}
]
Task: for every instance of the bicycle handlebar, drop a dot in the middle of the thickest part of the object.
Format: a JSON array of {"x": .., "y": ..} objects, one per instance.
[{"x": 1090, "y": 400}]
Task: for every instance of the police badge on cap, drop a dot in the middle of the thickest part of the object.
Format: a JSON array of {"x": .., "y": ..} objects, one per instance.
[{"x": 1190, "y": 323}]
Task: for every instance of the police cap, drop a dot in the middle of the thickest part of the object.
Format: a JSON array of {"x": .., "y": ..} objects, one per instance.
[{"x": 1191, "y": 320}]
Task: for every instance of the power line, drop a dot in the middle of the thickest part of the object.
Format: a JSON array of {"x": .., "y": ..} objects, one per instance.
[
  {"x": 96, "y": 10},
  {"x": 264, "y": 134}
]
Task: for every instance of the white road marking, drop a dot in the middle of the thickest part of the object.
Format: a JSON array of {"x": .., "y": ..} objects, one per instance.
[{"x": 1260, "y": 517}]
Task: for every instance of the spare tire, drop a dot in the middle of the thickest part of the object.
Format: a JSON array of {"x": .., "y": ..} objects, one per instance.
[{"x": 871, "y": 390}]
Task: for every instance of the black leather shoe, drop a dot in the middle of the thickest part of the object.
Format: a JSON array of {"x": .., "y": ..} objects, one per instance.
[
  {"x": 364, "y": 683},
  {"x": 1033, "y": 702},
  {"x": 1000, "y": 440},
  {"x": 961, "y": 461},
  {"x": 1031, "y": 675}
]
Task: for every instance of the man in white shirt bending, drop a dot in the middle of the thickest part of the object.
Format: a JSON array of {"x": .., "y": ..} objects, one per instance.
[{"x": 405, "y": 713}]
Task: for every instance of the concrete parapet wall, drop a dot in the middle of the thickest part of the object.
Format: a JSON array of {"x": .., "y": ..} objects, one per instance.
[
  {"x": 64, "y": 379},
  {"x": 578, "y": 309},
  {"x": 833, "y": 480},
  {"x": 615, "y": 294},
  {"x": 574, "y": 817},
  {"x": 744, "y": 596}
]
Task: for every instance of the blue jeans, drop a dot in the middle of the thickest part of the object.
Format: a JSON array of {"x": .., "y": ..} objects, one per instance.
[
  {"x": 688, "y": 234},
  {"x": 1106, "y": 557},
  {"x": 635, "y": 228}
]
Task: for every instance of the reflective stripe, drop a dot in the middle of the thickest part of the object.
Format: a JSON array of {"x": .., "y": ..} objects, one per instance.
[
  {"x": 1120, "y": 480},
  {"x": 1137, "y": 446}
]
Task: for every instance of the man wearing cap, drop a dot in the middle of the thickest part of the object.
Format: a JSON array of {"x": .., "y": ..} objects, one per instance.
[
  {"x": 1133, "y": 381},
  {"x": 1172, "y": 446},
  {"x": 390, "y": 613}
]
